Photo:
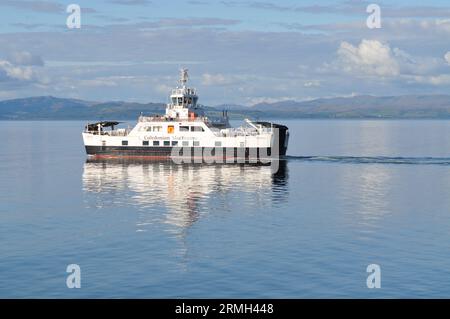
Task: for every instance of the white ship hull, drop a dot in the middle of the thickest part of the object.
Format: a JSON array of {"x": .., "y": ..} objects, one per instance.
[{"x": 202, "y": 143}]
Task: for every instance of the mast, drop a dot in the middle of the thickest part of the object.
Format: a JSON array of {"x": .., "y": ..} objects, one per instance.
[{"x": 183, "y": 77}]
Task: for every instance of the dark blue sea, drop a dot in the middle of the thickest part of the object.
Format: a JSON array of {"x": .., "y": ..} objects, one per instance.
[{"x": 351, "y": 193}]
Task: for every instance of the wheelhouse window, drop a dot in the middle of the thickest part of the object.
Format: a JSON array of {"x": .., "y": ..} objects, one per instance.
[
  {"x": 155, "y": 143},
  {"x": 145, "y": 143},
  {"x": 174, "y": 143},
  {"x": 196, "y": 143},
  {"x": 124, "y": 143},
  {"x": 217, "y": 144},
  {"x": 157, "y": 128},
  {"x": 197, "y": 129},
  {"x": 185, "y": 143},
  {"x": 166, "y": 143},
  {"x": 184, "y": 128}
]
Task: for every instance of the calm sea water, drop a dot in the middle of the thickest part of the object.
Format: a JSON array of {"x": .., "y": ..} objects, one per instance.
[{"x": 352, "y": 193}]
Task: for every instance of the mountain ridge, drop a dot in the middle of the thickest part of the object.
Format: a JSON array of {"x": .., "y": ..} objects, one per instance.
[{"x": 362, "y": 106}]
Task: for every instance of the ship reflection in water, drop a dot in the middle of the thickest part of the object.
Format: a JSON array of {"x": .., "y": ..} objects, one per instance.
[{"x": 180, "y": 194}]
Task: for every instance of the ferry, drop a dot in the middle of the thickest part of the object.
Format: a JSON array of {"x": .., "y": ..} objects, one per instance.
[{"x": 184, "y": 131}]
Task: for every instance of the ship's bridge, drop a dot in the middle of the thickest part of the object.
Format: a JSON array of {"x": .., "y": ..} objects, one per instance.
[{"x": 183, "y": 100}]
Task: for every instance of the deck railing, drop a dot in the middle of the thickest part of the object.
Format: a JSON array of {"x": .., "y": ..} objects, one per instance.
[
  {"x": 119, "y": 132},
  {"x": 143, "y": 118}
]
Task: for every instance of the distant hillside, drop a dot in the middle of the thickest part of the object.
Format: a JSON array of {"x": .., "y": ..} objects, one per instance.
[
  {"x": 48, "y": 107},
  {"x": 410, "y": 106}
]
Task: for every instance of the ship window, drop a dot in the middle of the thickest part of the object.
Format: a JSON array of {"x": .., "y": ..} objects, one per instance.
[
  {"x": 242, "y": 144},
  {"x": 155, "y": 143},
  {"x": 196, "y": 143},
  {"x": 124, "y": 142},
  {"x": 174, "y": 100},
  {"x": 145, "y": 143},
  {"x": 148, "y": 128},
  {"x": 184, "y": 128},
  {"x": 218, "y": 144},
  {"x": 174, "y": 143},
  {"x": 185, "y": 143},
  {"x": 157, "y": 128},
  {"x": 166, "y": 143},
  {"x": 180, "y": 101},
  {"x": 197, "y": 129}
]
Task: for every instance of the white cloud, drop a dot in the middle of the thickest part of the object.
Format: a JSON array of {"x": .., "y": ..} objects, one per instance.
[
  {"x": 442, "y": 25},
  {"x": 374, "y": 60},
  {"x": 164, "y": 88},
  {"x": 436, "y": 80},
  {"x": 215, "y": 79},
  {"x": 410, "y": 64},
  {"x": 264, "y": 99},
  {"x": 20, "y": 67},
  {"x": 25, "y": 58},
  {"x": 370, "y": 57},
  {"x": 12, "y": 72},
  {"x": 312, "y": 83},
  {"x": 98, "y": 82}
]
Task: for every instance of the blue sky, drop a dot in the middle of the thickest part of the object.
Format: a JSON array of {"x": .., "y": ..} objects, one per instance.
[{"x": 238, "y": 52}]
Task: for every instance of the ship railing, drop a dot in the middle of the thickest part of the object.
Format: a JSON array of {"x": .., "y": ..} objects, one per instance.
[
  {"x": 244, "y": 132},
  {"x": 143, "y": 118},
  {"x": 118, "y": 132},
  {"x": 183, "y": 91}
]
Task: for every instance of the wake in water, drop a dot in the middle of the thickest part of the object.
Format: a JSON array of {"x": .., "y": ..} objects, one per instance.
[{"x": 374, "y": 160}]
